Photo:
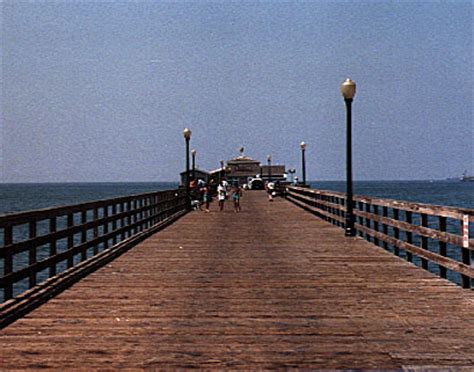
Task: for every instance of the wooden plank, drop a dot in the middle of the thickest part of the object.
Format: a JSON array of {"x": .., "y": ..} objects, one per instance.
[{"x": 269, "y": 288}]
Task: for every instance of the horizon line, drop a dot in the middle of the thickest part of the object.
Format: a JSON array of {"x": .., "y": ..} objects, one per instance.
[{"x": 309, "y": 181}]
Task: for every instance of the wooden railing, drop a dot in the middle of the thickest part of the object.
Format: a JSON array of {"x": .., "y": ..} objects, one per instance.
[
  {"x": 38, "y": 245},
  {"x": 434, "y": 237}
]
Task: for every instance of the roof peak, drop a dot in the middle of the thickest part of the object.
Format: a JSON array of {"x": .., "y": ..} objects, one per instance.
[{"x": 242, "y": 158}]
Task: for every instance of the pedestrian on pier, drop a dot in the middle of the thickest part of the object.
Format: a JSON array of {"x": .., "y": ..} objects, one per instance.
[
  {"x": 221, "y": 195},
  {"x": 270, "y": 190},
  {"x": 206, "y": 197},
  {"x": 237, "y": 194}
]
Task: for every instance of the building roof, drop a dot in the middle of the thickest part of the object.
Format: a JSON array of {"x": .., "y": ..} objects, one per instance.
[
  {"x": 242, "y": 159},
  {"x": 216, "y": 171}
]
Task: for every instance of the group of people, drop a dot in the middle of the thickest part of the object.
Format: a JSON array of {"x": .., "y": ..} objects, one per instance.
[
  {"x": 205, "y": 193},
  {"x": 222, "y": 195}
]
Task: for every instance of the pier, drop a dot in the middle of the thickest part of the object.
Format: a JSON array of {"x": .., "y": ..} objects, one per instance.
[{"x": 275, "y": 286}]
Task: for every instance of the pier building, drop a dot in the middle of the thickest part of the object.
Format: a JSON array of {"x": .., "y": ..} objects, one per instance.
[{"x": 241, "y": 169}]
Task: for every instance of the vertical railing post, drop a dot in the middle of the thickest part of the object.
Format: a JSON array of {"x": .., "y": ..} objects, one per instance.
[
  {"x": 376, "y": 223},
  {"x": 124, "y": 220},
  {"x": 135, "y": 216},
  {"x": 141, "y": 204},
  {"x": 465, "y": 253},
  {"x": 367, "y": 221},
  {"x": 8, "y": 260},
  {"x": 396, "y": 231},
  {"x": 114, "y": 223},
  {"x": 96, "y": 229},
  {"x": 83, "y": 234},
  {"x": 409, "y": 235},
  {"x": 52, "y": 246},
  {"x": 361, "y": 219},
  {"x": 32, "y": 254},
  {"x": 443, "y": 251},
  {"x": 424, "y": 241},
  {"x": 106, "y": 226},
  {"x": 129, "y": 218},
  {"x": 70, "y": 240},
  {"x": 385, "y": 226}
]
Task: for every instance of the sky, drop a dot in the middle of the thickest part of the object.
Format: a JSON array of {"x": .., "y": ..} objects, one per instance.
[{"x": 101, "y": 91}]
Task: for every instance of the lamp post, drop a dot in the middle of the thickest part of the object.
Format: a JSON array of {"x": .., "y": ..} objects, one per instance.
[
  {"x": 187, "y": 137},
  {"x": 222, "y": 170},
  {"x": 193, "y": 153},
  {"x": 348, "y": 90},
  {"x": 303, "y": 162},
  {"x": 269, "y": 162}
]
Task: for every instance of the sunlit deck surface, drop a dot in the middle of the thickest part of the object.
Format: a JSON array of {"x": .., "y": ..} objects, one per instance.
[{"x": 270, "y": 287}]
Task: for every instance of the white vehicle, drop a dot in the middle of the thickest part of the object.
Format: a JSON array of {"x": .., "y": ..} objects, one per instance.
[{"x": 256, "y": 183}]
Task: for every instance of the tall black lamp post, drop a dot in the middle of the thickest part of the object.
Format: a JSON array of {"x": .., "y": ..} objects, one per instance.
[
  {"x": 303, "y": 162},
  {"x": 222, "y": 170},
  {"x": 193, "y": 153},
  {"x": 348, "y": 90},
  {"x": 269, "y": 162},
  {"x": 187, "y": 137}
]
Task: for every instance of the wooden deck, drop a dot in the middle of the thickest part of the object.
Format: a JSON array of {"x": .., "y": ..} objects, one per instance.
[{"x": 270, "y": 287}]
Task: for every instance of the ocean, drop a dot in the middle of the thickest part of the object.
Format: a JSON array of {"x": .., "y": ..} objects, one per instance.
[
  {"x": 448, "y": 193},
  {"x": 29, "y": 196}
]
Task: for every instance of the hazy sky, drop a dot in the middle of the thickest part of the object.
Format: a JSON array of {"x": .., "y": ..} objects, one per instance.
[{"x": 101, "y": 91}]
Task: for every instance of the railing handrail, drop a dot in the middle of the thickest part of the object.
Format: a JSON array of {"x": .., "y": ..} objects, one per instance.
[
  {"x": 76, "y": 233},
  {"x": 376, "y": 224},
  {"x": 22, "y": 217},
  {"x": 432, "y": 209}
]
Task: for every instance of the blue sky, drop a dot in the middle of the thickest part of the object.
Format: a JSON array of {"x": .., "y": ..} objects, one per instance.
[{"x": 101, "y": 91}]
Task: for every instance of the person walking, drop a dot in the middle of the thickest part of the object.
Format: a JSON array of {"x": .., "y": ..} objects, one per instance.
[
  {"x": 206, "y": 197},
  {"x": 270, "y": 190},
  {"x": 237, "y": 194},
  {"x": 221, "y": 195}
]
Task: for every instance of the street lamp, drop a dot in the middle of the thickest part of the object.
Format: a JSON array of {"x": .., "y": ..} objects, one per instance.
[
  {"x": 269, "y": 162},
  {"x": 222, "y": 169},
  {"x": 348, "y": 90},
  {"x": 187, "y": 137},
  {"x": 193, "y": 153},
  {"x": 303, "y": 163}
]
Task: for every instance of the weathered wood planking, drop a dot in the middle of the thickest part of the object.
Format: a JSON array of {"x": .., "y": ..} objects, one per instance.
[{"x": 271, "y": 287}]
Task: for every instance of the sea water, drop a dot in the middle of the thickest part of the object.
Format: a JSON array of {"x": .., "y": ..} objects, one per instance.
[{"x": 29, "y": 196}]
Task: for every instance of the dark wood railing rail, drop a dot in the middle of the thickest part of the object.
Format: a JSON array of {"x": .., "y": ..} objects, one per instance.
[
  {"x": 38, "y": 245},
  {"x": 427, "y": 232}
]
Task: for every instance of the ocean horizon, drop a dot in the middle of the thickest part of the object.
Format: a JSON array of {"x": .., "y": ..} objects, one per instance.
[{"x": 17, "y": 197}]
